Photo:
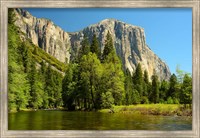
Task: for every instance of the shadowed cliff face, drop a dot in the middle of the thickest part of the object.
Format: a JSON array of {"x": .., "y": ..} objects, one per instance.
[{"x": 129, "y": 41}]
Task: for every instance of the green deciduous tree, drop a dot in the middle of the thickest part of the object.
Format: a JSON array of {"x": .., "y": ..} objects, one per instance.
[
  {"x": 107, "y": 100},
  {"x": 114, "y": 78},
  {"x": 69, "y": 86},
  {"x": 91, "y": 71}
]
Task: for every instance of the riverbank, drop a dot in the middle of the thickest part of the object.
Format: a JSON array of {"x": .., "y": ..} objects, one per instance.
[
  {"x": 144, "y": 109},
  {"x": 30, "y": 109},
  {"x": 152, "y": 109}
]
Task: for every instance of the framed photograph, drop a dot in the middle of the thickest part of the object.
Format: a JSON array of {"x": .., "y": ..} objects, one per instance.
[{"x": 95, "y": 68}]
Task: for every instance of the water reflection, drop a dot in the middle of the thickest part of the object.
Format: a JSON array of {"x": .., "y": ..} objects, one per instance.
[{"x": 62, "y": 120}]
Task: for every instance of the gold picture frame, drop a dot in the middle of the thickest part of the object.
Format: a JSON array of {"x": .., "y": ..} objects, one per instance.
[{"x": 5, "y": 4}]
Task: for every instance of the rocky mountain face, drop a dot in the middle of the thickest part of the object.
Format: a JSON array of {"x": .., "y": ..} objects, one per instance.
[{"x": 129, "y": 41}]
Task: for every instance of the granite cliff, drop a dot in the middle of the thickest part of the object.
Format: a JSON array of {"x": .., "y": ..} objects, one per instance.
[{"x": 129, "y": 41}]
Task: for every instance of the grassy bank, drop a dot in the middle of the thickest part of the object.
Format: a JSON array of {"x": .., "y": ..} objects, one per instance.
[{"x": 152, "y": 109}]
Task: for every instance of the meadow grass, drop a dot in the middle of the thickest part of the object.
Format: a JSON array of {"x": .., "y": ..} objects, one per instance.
[{"x": 152, "y": 109}]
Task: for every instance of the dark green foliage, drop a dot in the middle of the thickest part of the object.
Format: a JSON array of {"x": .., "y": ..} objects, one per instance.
[
  {"x": 146, "y": 84},
  {"x": 172, "y": 92},
  {"x": 57, "y": 89},
  {"x": 18, "y": 85},
  {"x": 69, "y": 84},
  {"x": 109, "y": 47},
  {"x": 136, "y": 99},
  {"x": 186, "y": 90},
  {"x": 128, "y": 88},
  {"x": 155, "y": 89},
  {"x": 11, "y": 15},
  {"x": 163, "y": 90},
  {"x": 138, "y": 80},
  {"x": 95, "y": 46},
  {"x": 26, "y": 57},
  {"x": 85, "y": 47},
  {"x": 33, "y": 88}
]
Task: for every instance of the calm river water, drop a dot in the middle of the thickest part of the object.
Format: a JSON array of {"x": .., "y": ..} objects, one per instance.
[{"x": 63, "y": 120}]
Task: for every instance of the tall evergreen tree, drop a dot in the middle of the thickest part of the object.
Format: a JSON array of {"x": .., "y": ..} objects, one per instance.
[
  {"x": 49, "y": 86},
  {"x": 163, "y": 90},
  {"x": 33, "y": 87},
  {"x": 57, "y": 79},
  {"x": 172, "y": 92},
  {"x": 26, "y": 57},
  {"x": 155, "y": 89},
  {"x": 109, "y": 47},
  {"x": 85, "y": 47},
  {"x": 68, "y": 87},
  {"x": 138, "y": 80},
  {"x": 128, "y": 84},
  {"x": 95, "y": 46},
  {"x": 146, "y": 85},
  {"x": 186, "y": 90}
]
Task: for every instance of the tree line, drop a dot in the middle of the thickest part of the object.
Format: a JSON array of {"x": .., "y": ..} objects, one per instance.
[{"x": 92, "y": 81}]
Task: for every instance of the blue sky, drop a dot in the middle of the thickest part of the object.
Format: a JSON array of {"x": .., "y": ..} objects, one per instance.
[{"x": 168, "y": 30}]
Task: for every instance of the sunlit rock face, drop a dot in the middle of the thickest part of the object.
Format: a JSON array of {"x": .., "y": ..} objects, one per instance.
[
  {"x": 129, "y": 41},
  {"x": 45, "y": 34}
]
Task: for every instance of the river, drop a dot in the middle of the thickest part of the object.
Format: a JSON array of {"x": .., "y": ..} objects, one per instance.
[{"x": 63, "y": 120}]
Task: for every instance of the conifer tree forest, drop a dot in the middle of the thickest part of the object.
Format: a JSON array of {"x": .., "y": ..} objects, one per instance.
[{"x": 94, "y": 80}]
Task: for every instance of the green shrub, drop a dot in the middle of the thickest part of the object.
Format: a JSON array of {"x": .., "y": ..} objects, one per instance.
[{"x": 170, "y": 100}]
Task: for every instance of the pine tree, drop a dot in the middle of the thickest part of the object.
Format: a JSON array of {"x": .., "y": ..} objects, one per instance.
[
  {"x": 147, "y": 85},
  {"x": 186, "y": 90},
  {"x": 49, "y": 84},
  {"x": 138, "y": 80},
  {"x": 57, "y": 88},
  {"x": 172, "y": 92},
  {"x": 95, "y": 46},
  {"x": 128, "y": 84},
  {"x": 109, "y": 47},
  {"x": 85, "y": 47},
  {"x": 155, "y": 89},
  {"x": 163, "y": 90},
  {"x": 26, "y": 57},
  {"x": 36, "y": 87}
]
